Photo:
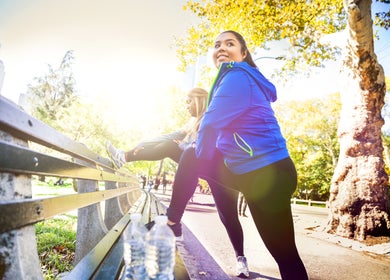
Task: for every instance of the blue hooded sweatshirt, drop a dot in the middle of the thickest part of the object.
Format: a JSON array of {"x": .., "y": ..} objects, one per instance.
[{"x": 240, "y": 121}]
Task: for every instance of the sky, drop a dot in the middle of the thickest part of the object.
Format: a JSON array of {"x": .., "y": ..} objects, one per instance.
[{"x": 122, "y": 48}]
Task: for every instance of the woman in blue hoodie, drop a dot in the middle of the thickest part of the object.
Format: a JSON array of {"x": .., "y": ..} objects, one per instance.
[{"x": 240, "y": 146}]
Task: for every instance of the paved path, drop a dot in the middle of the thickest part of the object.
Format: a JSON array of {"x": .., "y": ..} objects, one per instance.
[{"x": 323, "y": 258}]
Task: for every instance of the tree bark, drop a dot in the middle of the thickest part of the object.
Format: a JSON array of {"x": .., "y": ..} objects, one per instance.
[{"x": 359, "y": 199}]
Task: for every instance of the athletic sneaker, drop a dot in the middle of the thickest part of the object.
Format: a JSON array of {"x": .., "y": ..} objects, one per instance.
[
  {"x": 242, "y": 267},
  {"x": 117, "y": 156},
  {"x": 176, "y": 228}
]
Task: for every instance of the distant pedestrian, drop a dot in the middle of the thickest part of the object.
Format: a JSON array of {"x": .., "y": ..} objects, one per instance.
[
  {"x": 164, "y": 183},
  {"x": 143, "y": 178},
  {"x": 157, "y": 182},
  {"x": 150, "y": 184}
]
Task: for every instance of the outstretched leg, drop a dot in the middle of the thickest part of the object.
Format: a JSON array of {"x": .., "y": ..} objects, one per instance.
[
  {"x": 158, "y": 151},
  {"x": 148, "y": 151}
]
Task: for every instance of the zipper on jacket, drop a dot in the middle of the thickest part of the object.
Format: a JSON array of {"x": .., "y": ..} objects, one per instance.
[
  {"x": 212, "y": 86},
  {"x": 247, "y": 148},
  {"x": 228, "y": 65}
]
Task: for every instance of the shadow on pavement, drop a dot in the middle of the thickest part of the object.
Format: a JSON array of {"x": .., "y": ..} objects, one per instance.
[{"x": 255, "y": 275}]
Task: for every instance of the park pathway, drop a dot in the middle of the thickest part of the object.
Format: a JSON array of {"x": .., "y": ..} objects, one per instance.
[{"x": 324, "y": 258}]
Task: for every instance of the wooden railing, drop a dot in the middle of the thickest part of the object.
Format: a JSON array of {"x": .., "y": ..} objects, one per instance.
[
  {"x": 99, "y": 254},
  {"x": 308, "y": 202}
]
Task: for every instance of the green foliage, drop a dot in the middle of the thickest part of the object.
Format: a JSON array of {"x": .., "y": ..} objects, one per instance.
[
  {"x": 382, "y": 19},
  {"x": 55, "y": 102},
  {"x": 56, "y": 239},
  {"x": 53, "y": 93},
  {"x": 207, "y": 76},
  {"x": 385, "y": 128},
  {"x": 302, "y": 23},
  {"x": 310, "y": 128},
  {"x": 85, "y": 124}
]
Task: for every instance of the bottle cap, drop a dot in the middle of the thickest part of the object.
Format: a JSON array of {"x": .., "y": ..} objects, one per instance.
[
  {"x": 162, "y": 219},
  {"x": 135, "y": 217}
]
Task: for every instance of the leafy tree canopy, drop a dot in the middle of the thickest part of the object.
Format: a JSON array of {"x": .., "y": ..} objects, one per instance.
[
  {"x": 310, "y": 128},
  {"x": 382, "y": 19},
  {"x": 54, "y": 92},
  {"x": 302, "y": 23}
]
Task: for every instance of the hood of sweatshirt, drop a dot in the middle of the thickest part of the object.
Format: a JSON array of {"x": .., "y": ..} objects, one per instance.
[{"x": 266, "y": 86}]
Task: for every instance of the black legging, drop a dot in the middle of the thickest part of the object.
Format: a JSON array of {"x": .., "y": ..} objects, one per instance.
[
  {"x": 268, "y": 192},
  {"x": 224, "y": 198}
]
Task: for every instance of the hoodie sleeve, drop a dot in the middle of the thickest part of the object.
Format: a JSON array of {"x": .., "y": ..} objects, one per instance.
[{"x": 231, "y": 98}]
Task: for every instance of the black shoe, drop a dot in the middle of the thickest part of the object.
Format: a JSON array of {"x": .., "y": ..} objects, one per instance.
[{"x": 176, "y": 228}]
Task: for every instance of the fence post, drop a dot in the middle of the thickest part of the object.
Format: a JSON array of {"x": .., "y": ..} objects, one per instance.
[
  {"x": 90, "y": 223},
  {"x": 18, "y": 250}
]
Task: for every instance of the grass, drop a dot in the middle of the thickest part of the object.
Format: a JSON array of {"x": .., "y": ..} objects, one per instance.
[
  {"x": 321, "y": 205},
  {"x": 47, "y": 188},
  {"x": 56, "y": 241},
  {"x": 56, "y": 237}
]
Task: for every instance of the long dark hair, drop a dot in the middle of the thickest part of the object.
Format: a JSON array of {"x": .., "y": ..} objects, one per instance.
[{"x": 248, "y": 58}]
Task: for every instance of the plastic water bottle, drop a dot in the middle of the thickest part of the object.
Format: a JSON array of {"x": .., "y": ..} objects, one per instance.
[
  {"x": 160, "y": 250},
  {"x": 134, "y": 249}
]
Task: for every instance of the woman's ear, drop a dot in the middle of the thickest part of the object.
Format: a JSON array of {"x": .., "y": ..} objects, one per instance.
[{"x": 244, "y": 53}]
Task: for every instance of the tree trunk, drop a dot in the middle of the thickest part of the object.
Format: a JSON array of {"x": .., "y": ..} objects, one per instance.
[
  {"x": 160, "y": 167},
  {"x": 359, "y": 201}
]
